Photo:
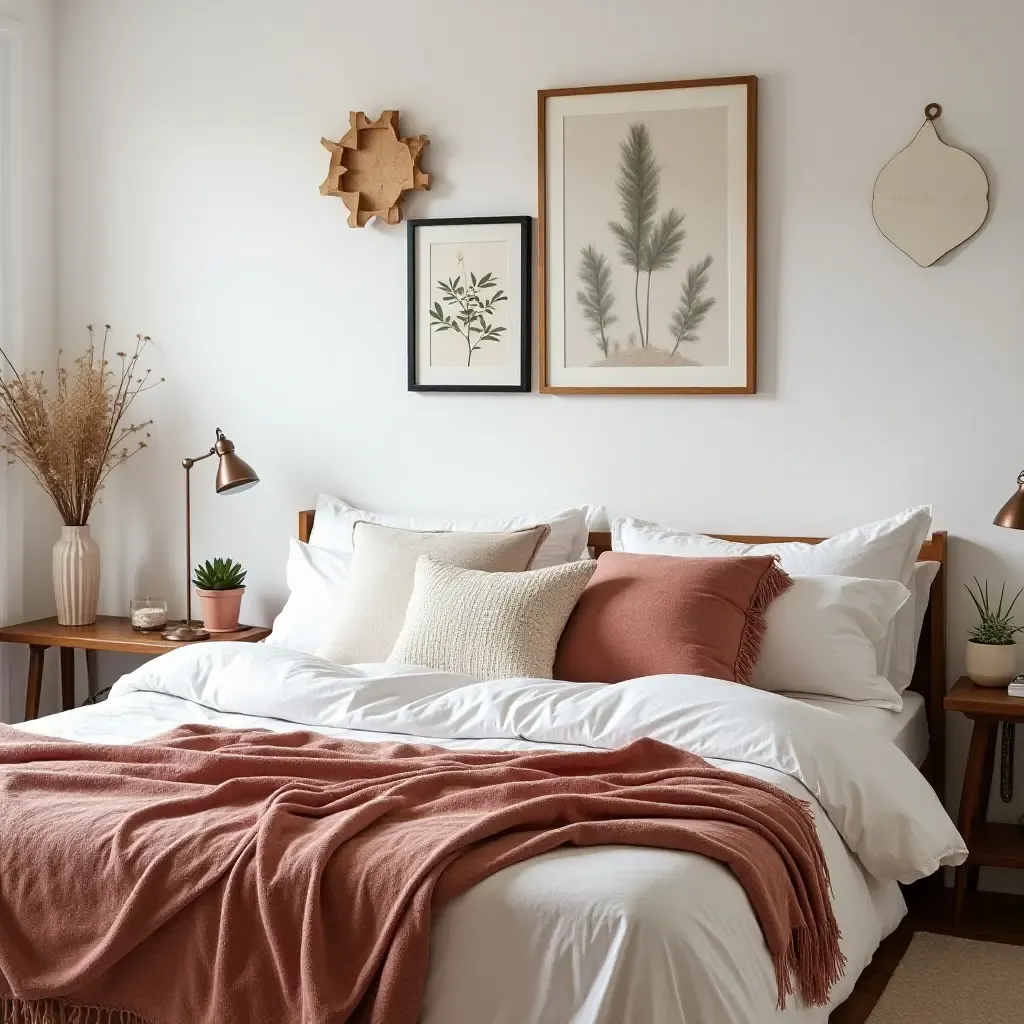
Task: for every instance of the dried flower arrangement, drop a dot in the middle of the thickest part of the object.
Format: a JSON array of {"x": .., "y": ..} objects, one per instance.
[{"x": 73, "y": 437}]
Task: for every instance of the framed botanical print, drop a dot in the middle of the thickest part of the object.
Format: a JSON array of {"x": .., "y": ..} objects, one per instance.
[
  {"x": 648, "y": 238},
  {"x": 470, "y": 305}
]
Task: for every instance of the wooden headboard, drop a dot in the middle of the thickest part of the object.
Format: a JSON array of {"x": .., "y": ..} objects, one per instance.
[{"x": 929, "y": 671}]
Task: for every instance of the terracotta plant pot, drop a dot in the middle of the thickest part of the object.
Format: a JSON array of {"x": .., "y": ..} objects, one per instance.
[
  {"x": 220, "y": 609},
  {"x": 991, "y": 664}
]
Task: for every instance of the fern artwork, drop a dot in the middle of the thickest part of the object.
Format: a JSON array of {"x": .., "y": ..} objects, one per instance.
[
  {"x": 468, "y": 308},
  {"x": 595, "y": 297},
  {"x": 469, "y": 304},
  {"x": 648, "y": 237},
  {"x": 649, "y": 242}
]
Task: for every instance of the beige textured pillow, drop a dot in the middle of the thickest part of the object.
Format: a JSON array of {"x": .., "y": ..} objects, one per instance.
[
  {"x": 381, "y": 578},
  {"x": 493, "y": 625}
]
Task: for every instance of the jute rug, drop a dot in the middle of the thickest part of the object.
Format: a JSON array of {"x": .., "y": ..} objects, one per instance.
[{"x": 945, "y": 980}]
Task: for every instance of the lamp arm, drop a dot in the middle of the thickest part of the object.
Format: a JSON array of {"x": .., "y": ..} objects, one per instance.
[{"x": 187, "y": 464}]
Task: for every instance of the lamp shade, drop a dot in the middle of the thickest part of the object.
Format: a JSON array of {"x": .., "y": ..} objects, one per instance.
[
  {"x": 1011, "y": 515},
  {"x": 233, "y": 473}
]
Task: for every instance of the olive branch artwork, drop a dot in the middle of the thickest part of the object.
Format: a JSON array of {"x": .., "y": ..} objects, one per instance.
[
  {"x": 647, "y": 244},
  {"x": 472, "y": 300}
]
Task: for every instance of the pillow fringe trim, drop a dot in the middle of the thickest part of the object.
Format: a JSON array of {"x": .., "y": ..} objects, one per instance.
[{"x": 774, "y": 582}]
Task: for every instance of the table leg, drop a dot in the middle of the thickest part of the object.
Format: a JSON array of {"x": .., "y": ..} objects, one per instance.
[
  {"x": 985, "y": 794},
  {"x": 67, "y": 678},
  {"x": 91, "y": 674},
  {"x": 974, "y": 797},
  {"x": 34, "y": 685}
]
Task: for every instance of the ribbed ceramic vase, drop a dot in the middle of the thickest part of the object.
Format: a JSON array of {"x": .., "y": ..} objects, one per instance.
[{"x": 76, "y": 576}]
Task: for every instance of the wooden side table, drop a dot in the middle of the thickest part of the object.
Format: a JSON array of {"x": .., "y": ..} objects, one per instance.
[
  {"x": 107, "y": 633},
  {"x": 991, "y": 844}
]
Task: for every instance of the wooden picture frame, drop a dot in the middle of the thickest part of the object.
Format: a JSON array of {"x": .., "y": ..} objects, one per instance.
[
  {"x": 583, "y": 133},
  {"x": 470, "y": 297}
]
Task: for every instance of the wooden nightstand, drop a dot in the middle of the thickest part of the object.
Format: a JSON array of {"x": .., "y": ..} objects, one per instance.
[
  {"x": 107, "y": 633},
  {"x": 991, "y": 844}
]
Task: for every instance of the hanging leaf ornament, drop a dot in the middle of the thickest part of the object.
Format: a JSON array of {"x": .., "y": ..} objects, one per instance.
[{"x": 930, "y": 197}]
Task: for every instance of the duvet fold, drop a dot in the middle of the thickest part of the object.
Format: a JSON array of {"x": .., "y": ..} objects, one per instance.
[
  {"x": 882, "y": 806},
  {"x": 217, "y": 876}
]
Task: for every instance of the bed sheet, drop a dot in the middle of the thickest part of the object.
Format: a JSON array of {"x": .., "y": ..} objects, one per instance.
[
  {"x": 907, "y": 729},
  {"x": 590, "y": 936}
]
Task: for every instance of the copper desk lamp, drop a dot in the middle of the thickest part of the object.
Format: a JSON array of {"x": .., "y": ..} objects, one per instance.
[
  {"x": 233, "y": 475},
  {"x": 1011, "y": 515}
]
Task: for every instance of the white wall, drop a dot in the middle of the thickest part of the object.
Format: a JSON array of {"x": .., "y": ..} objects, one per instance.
[
  {"x": 188, "y": 208},
  {"x": 26, "y": 520}
]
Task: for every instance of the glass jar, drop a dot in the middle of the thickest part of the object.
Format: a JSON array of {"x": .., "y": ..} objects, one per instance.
[{"x": 148, "y": 614}]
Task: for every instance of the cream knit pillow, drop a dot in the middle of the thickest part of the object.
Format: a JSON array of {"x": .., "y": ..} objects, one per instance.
[
  {"x": 381, "y": 578},
  {"x": 493, "y": 625}
]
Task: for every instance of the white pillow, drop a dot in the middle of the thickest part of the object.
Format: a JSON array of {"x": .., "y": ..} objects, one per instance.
[
  {"x": 318, "y": 581},
  {"x": 335, "y": 520},
  {"x": 884, "y": 550},
  {"x": 820, "y": 638},
  {"x": 384, "y": 568}
]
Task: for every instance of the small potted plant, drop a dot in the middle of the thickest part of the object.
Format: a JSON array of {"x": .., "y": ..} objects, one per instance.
[
  {"x": 991, "y": 648},
  {"x": 219, "y": 585}
]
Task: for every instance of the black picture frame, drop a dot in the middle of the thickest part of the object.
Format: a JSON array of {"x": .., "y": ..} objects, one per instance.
[{"x": 525, "y": 304}]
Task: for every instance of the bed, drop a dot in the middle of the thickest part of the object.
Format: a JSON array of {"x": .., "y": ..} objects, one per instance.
[
  {"x": 605, "y": 934},
  {"x": 921, "y": 728},
  {"x": 906, "y": 729}
]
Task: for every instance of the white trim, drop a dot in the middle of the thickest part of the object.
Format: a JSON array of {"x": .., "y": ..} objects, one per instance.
[{"x": 12, "y": 325}]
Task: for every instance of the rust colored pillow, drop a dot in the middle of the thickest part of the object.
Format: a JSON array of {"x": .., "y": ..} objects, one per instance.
[{"x": 642, "y": 615}]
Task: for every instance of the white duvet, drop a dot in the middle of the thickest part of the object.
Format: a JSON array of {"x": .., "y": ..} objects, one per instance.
[{"x": 604, "y": 935}]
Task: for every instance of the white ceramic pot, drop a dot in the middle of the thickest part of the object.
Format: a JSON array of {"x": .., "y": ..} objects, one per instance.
[
  {"x": 76, "y": 576},
  {"x": 991, "y": 664}
]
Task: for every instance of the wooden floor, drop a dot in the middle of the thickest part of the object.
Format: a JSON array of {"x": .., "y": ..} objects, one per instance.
[{"x": 993, "y": 917}]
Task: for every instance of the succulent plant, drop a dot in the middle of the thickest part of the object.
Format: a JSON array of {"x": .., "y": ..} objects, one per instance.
[
  {"x": 220, "y": 574},
  {"x": 994, "y": 627}
]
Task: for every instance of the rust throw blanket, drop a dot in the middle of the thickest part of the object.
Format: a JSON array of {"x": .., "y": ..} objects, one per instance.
[{"x": 215, "y": 877}]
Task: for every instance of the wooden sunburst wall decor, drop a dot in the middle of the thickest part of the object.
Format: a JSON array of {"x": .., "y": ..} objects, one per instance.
[{"x": 372, "y": 167}]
